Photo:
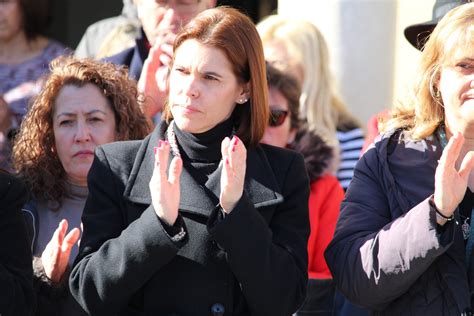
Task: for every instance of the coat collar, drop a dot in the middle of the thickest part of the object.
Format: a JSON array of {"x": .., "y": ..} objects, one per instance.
[{"x": 260, "y": 183}]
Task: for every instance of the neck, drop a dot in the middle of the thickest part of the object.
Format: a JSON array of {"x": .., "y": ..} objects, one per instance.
[
  {"x": 203, "y": 146},
  {"x": 468, "y": 134},
  {"x": 19, "y": 49}
]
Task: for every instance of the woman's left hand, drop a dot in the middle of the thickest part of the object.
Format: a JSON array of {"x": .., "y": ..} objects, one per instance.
[
  {"x": 55, "y": 257},
  {"x": 234, "y": 156}
]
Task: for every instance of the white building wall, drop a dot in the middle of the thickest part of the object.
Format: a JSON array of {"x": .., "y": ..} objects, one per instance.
[{"x": 373, "y": 63}]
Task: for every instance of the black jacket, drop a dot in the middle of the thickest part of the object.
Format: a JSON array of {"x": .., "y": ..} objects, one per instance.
[
  {"x": 16, "y": 287},
  {"x": 252, "y": 262}
]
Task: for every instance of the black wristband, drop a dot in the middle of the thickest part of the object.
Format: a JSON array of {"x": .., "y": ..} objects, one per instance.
[{"x": 438, "y": 213}]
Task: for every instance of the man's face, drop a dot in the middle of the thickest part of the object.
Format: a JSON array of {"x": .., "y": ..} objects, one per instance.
[{"x": 162, "y": 19}]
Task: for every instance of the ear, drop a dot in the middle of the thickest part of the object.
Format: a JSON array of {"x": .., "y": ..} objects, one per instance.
[
  {"x": 291, "y": 136},
  {"x": 244, "y": 94}
]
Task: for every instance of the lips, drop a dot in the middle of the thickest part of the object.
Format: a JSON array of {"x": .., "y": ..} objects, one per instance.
[
  {"x": 188, "y": 108},
  {"x": 83, "y": 153}
]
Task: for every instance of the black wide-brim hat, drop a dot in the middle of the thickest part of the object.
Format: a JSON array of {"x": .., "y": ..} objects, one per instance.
[{"x": 418, "y": 34}]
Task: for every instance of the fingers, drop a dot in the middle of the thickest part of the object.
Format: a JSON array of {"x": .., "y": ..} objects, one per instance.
[
  {"x": 167, "y": 49},
  {"x": 163, "y": 156},
  {"x": 236, "y": 152},
  {"x": 70, "y": 240},
  {"x": 451, "y": 152},
  {"x": 61, "y": 231},
  {"x": 466, "y": 165},
  {"x": 225, "y": 149},
  {"x": 175, "y": 170},
  {"x": 165, "y": 59}
]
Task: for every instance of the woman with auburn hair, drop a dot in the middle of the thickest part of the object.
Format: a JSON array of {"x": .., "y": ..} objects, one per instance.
[
  {"x": 298, "y": 47},
  {"x": 404, "y": 239},
  {"x": 82, "y": 105},
  {"x": 202, "y": 219}
]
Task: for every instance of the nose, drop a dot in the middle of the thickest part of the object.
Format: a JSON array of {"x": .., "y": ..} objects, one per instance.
[
  {"x": 191, "y": 87},
  {"x": 83, "y": 133}
]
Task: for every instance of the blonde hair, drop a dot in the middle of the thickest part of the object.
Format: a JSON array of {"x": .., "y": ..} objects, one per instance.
[
  {"x": 320, "y": 103},
  {"x": 423, "y": 110}
]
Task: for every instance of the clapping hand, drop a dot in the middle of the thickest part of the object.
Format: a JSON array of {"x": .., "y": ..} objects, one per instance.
[
  {"x": 234, "y": 156},
  {"x": 164, "y": 188},
  {"x": 451, "y": 184},
  {"x": 55, "y": 257}
]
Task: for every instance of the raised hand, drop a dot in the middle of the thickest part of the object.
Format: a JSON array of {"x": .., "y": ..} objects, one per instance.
[
  {"x": 55, "y": 257},
  {"x": 234, "y": 156},
  {"x": 164, "y": 188},
  {"x": 153, "y": 79},
  {"x": 451, "y": 184}
]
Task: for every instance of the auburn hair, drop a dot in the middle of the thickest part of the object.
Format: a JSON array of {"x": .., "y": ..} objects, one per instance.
[{"x": 235, "y": 34}]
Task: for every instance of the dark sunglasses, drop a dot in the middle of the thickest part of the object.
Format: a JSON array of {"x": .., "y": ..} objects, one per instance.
[{"x": 277, "y": 117}]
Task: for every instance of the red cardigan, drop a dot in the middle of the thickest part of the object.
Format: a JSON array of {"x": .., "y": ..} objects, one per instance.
[{"x": 324, "y": 201}]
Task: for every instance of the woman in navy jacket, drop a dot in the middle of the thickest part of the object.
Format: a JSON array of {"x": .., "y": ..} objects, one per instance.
[
  {"x": 403, "y": 242},
  {"x": 198, "y": 218}
]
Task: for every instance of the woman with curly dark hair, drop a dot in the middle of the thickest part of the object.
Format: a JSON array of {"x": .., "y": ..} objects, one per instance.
[{"x": 83, "y": 104}]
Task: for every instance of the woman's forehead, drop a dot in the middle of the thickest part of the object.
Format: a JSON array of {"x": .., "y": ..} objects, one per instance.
[{"x": 459, "y": 45}]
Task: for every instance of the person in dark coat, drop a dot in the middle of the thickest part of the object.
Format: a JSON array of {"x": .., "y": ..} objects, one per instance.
[
  {"x": 219, "y": 228},
  {"x": 403, "y": 241},
  {"x": 16, "y": 274}
]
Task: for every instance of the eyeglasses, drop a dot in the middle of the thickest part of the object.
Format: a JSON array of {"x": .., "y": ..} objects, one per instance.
[{"x": 277, "y": 117}]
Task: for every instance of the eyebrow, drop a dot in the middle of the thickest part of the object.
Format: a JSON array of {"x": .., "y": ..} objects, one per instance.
[
  {"x": 208, "y": 73},
  {"x": 74, "y": 114},
  {"x": 211, "y": 73}
]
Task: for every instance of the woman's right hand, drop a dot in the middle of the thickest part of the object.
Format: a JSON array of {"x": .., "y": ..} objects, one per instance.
[
  {"x": 164, "y": 188},
  {"x": 451, "y": 184},
  {"x": 55, "y": 257}
]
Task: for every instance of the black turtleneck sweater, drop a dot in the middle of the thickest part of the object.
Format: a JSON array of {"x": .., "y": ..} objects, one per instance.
[{"x": 201, "y": 153}]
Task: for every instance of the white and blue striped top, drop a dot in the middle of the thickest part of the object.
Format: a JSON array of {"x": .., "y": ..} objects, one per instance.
[{"x": 350, "y": 144}]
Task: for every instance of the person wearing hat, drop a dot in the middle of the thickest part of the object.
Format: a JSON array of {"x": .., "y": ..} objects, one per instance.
[
  {"x": 16, "y": 274},
  {"x": 417, "y": 34},
  {"x": 404, "y": 240}
]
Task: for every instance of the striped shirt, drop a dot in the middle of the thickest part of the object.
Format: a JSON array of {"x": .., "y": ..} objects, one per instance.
[{"x": 350, "y": 144}]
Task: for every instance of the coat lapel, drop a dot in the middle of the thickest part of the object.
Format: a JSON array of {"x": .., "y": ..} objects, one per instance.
[{"x": 260, "y": 183}]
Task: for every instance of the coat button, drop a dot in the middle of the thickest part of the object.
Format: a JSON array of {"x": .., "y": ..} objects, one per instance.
[{"x": 217, "y": 309}]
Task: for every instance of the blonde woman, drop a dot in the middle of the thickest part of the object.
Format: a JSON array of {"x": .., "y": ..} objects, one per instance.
[
  {"x": 298, "y": 47},
  {"x": 403, "y": 242}
]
